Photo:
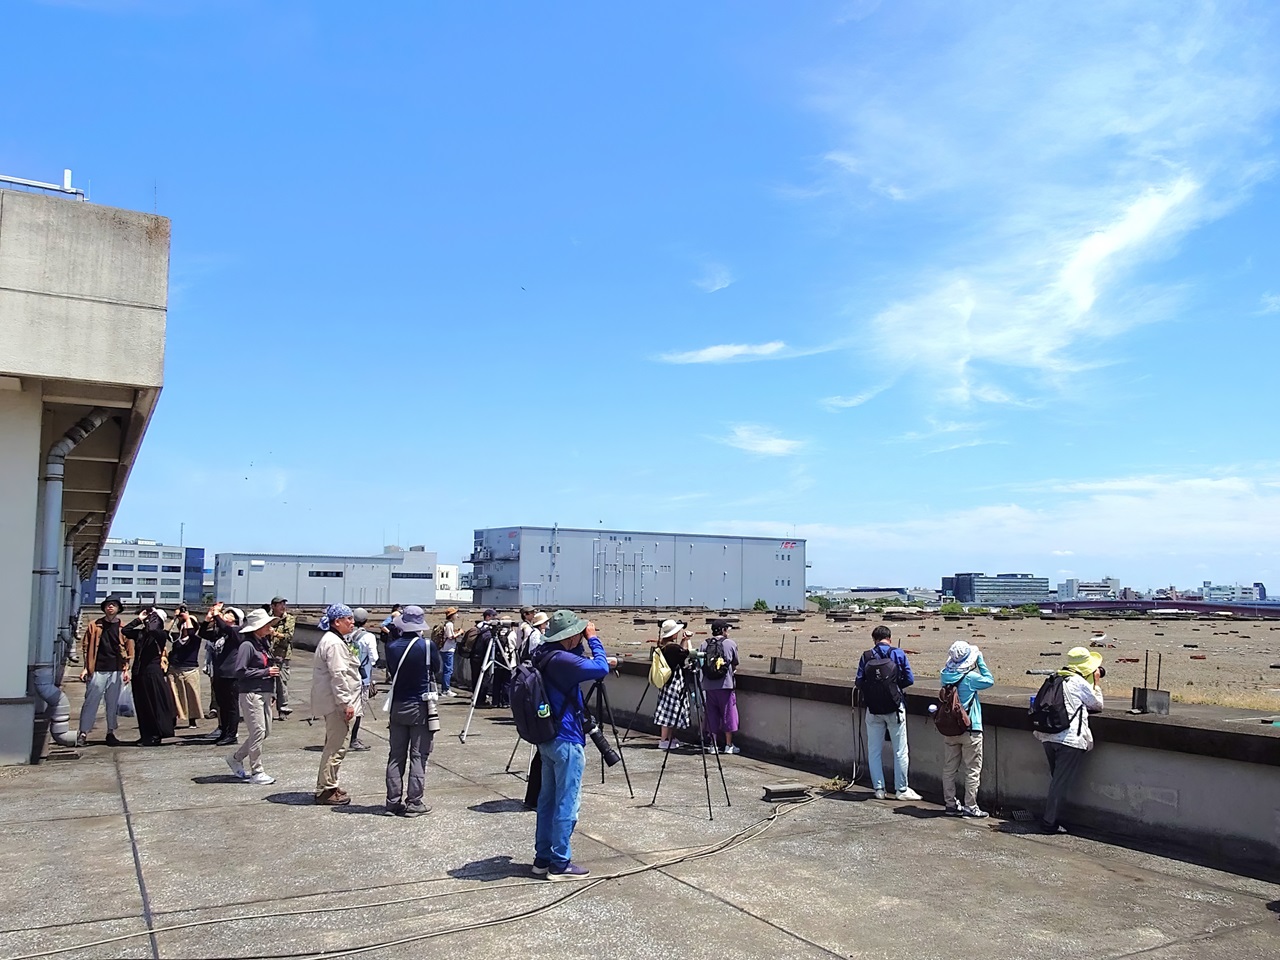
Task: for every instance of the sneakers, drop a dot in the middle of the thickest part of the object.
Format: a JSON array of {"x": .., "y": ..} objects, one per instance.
[
  {"x": 734, "y": 751},
  {"x": 262, "y": 779},
  {"x": 909, "y": 794},
  {"x": 412, "y": 810},
  {"x": 285, "y": 711},
  {"x": 393, "y": 808},
  {"x": 880, "y": 794},
  {"x": 672, "y": 744},
  {"x": 358, "y": 746},
  {"x": 237, "y": 767},
  {"x": 112, "y": 741},
  {"x": 570, "y": 871},
  {"x": 1053, "y": 829},
  {"x": 539, "y": 869},
  {"x": 974, "y": 813},
  {"x": 712, "y": 748},
  {"x": 447, "y": 693},
  {"x": 190, "y": 724},
  {"x": 954, "y": 809},
  {"x": 82, "y": 740}
]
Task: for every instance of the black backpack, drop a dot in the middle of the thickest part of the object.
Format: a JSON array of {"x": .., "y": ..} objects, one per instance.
[
  {"x": 880, "y": 691},
  {"x": 531, "y": 709},
  {"x": 1049, "y": 713},
  {"x": 715, "y": 666}
]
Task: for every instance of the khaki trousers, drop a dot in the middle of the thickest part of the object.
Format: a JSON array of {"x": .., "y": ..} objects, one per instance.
[
  {"x": 964, "y": 751},
  {"x": 336, "y": 731},
  {"x": 186, "y": 692},
  {"x": 257, "y": 718}
]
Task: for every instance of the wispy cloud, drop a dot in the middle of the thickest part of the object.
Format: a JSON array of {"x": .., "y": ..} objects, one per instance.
[
  {"x": 964, "y": 445},
  {"x": 763, "y": 441},
  {"x": 1270, "y": 303},
  {"x": 715, "y": 276},
  {"x": 856, "y": 400},
  {"x": 1047, "y": 177},
  {"x": 725, "y": 352}
]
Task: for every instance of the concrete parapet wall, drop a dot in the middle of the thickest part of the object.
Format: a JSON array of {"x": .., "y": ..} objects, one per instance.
[{"x": 1211, "y": 789}]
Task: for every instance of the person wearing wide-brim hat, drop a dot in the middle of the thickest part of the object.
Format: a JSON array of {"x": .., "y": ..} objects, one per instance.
[
  {"x": 256, "y": 674},
  {"x": 672, "y": 712},
  {"x": 570, "y": 656},
  {"x": 536, "y": 636},
  {"x": 1066, "y": 750},
  {"x": 448, "y": 647},
  {"x": 107, "y": 655}
]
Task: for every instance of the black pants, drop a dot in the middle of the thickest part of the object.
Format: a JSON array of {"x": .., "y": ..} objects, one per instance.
[
  {"x": 478, "y": 678},
  {"x": 1065, "y": 764},
  {"x": 355, "y": 729},
  {"x": 228, "y": 697}
]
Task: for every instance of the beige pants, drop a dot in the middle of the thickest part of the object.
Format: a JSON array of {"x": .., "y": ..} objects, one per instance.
[
  {"x": 186, "y": 692},
  {"x": 337, "y": 729},
  {"x": 964, "y": 751},
  {"x": 256, "y": 716}
]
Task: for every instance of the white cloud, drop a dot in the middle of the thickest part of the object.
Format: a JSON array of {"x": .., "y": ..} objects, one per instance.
[
  {"x": 761, "y": 440},
  {"x": 970, "y": 443},
  {"x": 1270, "y": 303},
  {"x": 844, "y": 403},
  {"x": 1062, "y": 553},
  {"x": 1051, "y": 150},
  {"x": 716, "y": 276},
  {"x": 722, "y": 353}
]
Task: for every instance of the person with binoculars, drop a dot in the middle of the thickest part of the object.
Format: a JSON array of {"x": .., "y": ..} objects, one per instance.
[{"x": 414, "y": 663}]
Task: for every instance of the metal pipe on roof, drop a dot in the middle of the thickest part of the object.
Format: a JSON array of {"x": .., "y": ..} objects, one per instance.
[{"x": 57, "y": 707}]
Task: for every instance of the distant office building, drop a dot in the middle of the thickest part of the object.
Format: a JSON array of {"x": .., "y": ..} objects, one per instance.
[
  {"x": 1261, "y": 590},
  {"x": 862, "y": 593},
  {"x": 1233, "y": 593},
  {"x": 1004, "y": 589},
  {"x": 449, "y": 586},
  {"x": 147, "y": 571},
  {"x": 1108, "y": 588},
  {"x": 394, "y": 576},
  {"x": 564, "y": 567}
]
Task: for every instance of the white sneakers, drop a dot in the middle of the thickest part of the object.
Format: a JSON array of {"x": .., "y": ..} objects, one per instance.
[
  {"x": 732, "y": 750},
  {"x": 262, "y": 779},
  {"x": 908, "y": 794},
  {"x": 672, "y": 744},
  {"x": 237, "y": 767}
]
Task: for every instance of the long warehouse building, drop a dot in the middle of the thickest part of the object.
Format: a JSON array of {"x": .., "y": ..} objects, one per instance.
[
  {"x": 393, "y": 576},
  {"x": 567, "y": 567}
]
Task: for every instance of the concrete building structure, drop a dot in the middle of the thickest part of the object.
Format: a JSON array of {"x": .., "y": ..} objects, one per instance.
[
  {"x": 1004, "y": 589},
  {"x": 394, "y": 576},
  {"x": 449, "y": 586},
  {"x": 1233, "y": 592},
  {"x": 83, "y": 299},
  {"x": 567, "y": 567},
  {"x": 1108, "y": 588},
  {"x": 147, "y": 571}
]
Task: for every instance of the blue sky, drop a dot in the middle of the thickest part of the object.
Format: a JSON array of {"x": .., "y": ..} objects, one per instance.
[{"x": 937, "y": 286}]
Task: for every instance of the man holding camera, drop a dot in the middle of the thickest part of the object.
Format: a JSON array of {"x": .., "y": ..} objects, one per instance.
[
  {"x": 282, "y": 651},
  {"x": 570, "y": 656},
  {"x": 184, "y": 665}
]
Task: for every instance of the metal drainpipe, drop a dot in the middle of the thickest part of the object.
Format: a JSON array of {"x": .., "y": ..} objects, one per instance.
[
  {"x": 57, "y": 707},
  {"x": 68, "y": 609}
]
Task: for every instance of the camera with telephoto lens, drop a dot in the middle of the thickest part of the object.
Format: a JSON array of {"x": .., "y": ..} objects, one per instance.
[
  {"x": 1102, "y": 672},
  {"x": 601, "y": 741},
  {"x": 430, "y": 703}
]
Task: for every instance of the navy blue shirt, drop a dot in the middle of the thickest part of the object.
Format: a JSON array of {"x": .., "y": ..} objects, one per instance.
[
  {"x": 905, "y": 677},
  {"x": 412, "y": 677}
]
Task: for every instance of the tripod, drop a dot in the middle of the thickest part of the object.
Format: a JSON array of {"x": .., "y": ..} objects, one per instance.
[
  {"x": 603, "y": 713},
  {"x": 498, "y": 651},
  {"x": 698, "y": 698}
]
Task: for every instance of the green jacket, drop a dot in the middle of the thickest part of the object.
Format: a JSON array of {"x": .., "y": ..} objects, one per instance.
[{"x": 282, "y": 636}]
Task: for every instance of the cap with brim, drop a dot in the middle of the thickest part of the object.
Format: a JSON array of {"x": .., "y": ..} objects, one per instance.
[
  {"x": 237, "y": 611},
  {"x": 564, "y": 624},
  {"x": 669, "y": 629},
  {"x": 275, "y": 600},
  {"x": 1083, "y": 661},
  {"x": 538, "y": 619},
  {"x": 720, "y": 626},
  {"x": 256, "y": 620},
  {"x": 410, "y": 620}
]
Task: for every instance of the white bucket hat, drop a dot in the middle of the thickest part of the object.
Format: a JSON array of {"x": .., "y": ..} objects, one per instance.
[
  {"x": 256, "y": 620},
  {"x": 670, "y": 628}
]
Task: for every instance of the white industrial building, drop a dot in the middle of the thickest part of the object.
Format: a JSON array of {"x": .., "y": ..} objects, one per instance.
[
  {"x": 449, "y": 588},
  {"x": 567, "y": 567},
  {"x": 394, "y": 576},
  {"x": 83, "y": 299},
  {"x": 1108, "y": 588}
]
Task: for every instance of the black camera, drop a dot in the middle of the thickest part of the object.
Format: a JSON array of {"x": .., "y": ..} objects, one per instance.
[
  {"x": 602, "y": 742},
  {"x": 1102, "y": 672}
]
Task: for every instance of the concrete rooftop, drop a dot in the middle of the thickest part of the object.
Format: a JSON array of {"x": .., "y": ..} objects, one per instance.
[{"x": 163, "y": 843}]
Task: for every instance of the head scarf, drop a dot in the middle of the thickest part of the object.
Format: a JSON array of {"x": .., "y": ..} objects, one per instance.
[
  {"x": 336, "y": 611},
  {"x": 962, "y": 656}
]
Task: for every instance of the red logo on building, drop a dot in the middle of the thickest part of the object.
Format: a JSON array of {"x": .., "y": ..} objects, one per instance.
[{"x": 789, "y": 544}]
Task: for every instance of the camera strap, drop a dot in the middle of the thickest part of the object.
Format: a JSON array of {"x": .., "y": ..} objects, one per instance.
[{"x": 391, "y": 692}]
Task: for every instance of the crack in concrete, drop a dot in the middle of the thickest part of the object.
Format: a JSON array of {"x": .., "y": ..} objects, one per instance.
[{"x": 137, "y": 865}]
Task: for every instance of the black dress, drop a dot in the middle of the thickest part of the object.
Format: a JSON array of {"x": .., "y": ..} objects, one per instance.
[{"x": 152, "y": 695}]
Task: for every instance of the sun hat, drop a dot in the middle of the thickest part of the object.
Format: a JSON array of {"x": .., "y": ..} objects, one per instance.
[
  {"x": 669, "y": 629},
  {"x": 1083, "y": 661},
  {"x": 538, "y": 619},
  {"x": 256, "y": 620},
  {"x": 450, "y": 611},
  {"x": 111, "y": 599},
  {"x": 410, "y": 620},
  {"x": 564, "y": 624},
  {"x": 962, "y": 656}
]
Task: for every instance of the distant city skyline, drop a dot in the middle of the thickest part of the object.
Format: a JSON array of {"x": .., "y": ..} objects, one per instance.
[{"x": 934, "y": 287}]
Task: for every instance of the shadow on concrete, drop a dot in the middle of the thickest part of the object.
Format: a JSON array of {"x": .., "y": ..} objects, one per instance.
[
  {"x": 490, "y": 868},
  {"x": 505, "y": 805},
  {"x": 1274, "y": 906},
  {"x": 214, "y": 778},
  {"x": 363, "y": 809},
  {"x": 1018, "y": 829},
  {"x": 294, "y": 799},
  {"x": 314, "y": 748},
  {"x": 919, "y": 813}
]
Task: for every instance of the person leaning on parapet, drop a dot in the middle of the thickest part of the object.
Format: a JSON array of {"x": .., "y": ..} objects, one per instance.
[
  {"x": 672, "y": 712},
  {"x": 335, "y": 695},
  {"x": 256, "y": 681},
  {"x": 413, "y": 662},
  {"x": 962, "y": 753},
  {"x": 367, "y": 650},
  {"x": 570, "y": 656},
  {"x": 184, "y": 666},
  {"x": 152, "y": 697},
  {"x": 221, "y": 628},
  {"x": 106, "y": 654},
  {"x": 282, "y": 651},
  {"x": 1065, "y": 750},
  {"x": 883, "y": 673},
  {"x": 719, "y": 669}
]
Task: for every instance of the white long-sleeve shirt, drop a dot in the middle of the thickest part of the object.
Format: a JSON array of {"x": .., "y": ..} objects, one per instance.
[
  {"x": 335, "y": 676},
  {"x": 1080, "y": 697}
]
